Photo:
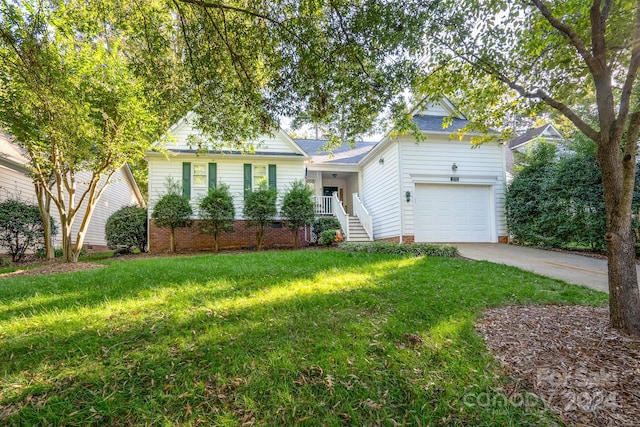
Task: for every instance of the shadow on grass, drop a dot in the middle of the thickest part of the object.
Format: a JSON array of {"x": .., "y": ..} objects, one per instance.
[{"x": 331, "y": 336}]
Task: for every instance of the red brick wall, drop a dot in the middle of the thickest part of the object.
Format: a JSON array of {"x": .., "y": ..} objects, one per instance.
[
  {"x": 405, "y": 239},
  {"x": 503, "y": 239},
  {"x": 191, "y": 239}
]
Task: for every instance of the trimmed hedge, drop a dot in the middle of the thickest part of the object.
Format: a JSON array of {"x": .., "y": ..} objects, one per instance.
[{"x": 414, "y": 249}]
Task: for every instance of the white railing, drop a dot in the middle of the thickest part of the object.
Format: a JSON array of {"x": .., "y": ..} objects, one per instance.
[
  {"x": 323, "y": 205},
  {"x": 365, "y": 218},
  {"x": 342, "y": 216}
]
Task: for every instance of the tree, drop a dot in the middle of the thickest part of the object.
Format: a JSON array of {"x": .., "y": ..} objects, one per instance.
[
  {"x": 297, "y": 208},
  {"x": 76, "y": 97},
  {"x": 172, "y": 211},
  {"x": 21, "y": 228},
  {"x": 260, "y": 209},
  {"x": 217, "y": 213},
  {"x": 580, "y": 59},
  {"x": 126, "y": 228},
  {"x": 337, "y": 63}
]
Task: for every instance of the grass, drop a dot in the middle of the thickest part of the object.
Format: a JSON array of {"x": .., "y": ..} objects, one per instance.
[{"x": 279, "y": 338}]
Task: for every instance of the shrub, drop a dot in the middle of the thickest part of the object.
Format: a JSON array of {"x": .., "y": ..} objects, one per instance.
[
  {"x": 556, "y": 199},
  {"x": 260, "y": 209},
  {"x": 172, "y": 211},
  {"x": 4, "y": 262},
  {"x": 328, "y": 237},
  {"x": 217, "y": 213},
  {"x": 21, "y": 228},
  {"x": 414, "y": 249},
  {"x": 325, "y": 223},
  {"x": 297, "y": 208},
  {"x": 127, "y": 228}
]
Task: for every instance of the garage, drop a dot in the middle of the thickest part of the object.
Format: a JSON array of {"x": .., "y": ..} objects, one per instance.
[{"x": 453, "y": 213}]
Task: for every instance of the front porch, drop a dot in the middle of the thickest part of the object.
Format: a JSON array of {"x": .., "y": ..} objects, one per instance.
[{"x": 357, "y": 227}]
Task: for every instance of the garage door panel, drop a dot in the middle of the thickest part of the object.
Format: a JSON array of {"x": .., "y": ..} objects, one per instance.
[{"x": 452, "y": 213}]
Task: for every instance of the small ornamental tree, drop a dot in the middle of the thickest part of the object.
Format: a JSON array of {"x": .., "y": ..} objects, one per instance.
[
  {"x": 297, "y": 208},
  {"x": 21, "y": 228},
  {"x": 217, "y": 213},
  {"x": 127, "y": 228},
  {"x": 172, "y": 211},
  {"x": 260, "y": 209}
]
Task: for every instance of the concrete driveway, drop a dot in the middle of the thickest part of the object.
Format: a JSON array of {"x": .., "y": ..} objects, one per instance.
[{"x": 577, "y": 269}]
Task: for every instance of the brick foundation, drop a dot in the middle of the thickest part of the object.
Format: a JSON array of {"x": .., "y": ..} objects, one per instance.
[
  {"x": 503, "y": 239},
  {"x": 405, "y": 239},
  {"x": 191, "y": 239}
]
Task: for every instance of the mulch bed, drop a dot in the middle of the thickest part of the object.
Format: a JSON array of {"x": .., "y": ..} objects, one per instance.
[
  {"x": 584, "y": 371},
  {"x": 55, "y": 267}
]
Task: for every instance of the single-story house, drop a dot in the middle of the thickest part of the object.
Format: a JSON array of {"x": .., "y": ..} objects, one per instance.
[
  {"x": 15, "y": 182},
  {"x": 398, "y": 189}
]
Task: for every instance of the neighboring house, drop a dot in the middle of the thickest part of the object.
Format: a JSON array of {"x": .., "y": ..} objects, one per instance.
[
  {"x": 437, "y": 190},
  {"x": 546, "y": 132},
  {"x": 15, "y": 182}
]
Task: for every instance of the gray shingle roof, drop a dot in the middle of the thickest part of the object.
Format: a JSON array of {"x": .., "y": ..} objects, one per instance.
[
  {"x": 343, "y": 154},
  {"x": 434, "y": 123},
  {"x": 527, "y": 136}
]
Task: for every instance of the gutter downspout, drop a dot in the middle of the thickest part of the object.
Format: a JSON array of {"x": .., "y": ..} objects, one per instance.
[{"x": 400, "y": 191}]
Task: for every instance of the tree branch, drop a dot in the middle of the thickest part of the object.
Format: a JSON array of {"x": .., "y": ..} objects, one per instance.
[
  {"x": 632, "y": 73},
  {"x": 566, "y": 30}
]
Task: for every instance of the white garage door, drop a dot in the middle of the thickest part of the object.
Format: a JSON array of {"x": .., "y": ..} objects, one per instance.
[{"x": 452, "y": 213}]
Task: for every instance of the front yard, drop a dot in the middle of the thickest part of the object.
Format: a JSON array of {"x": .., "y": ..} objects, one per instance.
[{"x": 276, "y": 338}]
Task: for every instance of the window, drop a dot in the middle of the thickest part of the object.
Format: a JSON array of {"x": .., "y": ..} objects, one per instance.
[
  {"x": 259, "y": 175},
  {"x": 200, "y": 175}
]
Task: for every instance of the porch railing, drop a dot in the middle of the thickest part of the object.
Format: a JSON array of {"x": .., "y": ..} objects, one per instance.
[
  {"x": 341, "y": 214},
  {"x": 363, "y": 214},
  {"x": 324, "y": 205}
]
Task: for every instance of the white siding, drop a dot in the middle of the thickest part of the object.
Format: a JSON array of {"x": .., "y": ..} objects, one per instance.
[
  {"x": 431, "y": 161},
  {"x": 380, "y": 186},
  {"x": 117, "y": 195},
  {"x": 14, "y": 184},
  {"x": 230, "y": 171},
  {"x": 276, "y": 143}
]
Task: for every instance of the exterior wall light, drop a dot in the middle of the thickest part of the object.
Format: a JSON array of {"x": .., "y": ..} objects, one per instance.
[
  {"x": 454, "y": 167},
  {"x": 408, "y": 196},
  {"x": 381, "y": 161}
]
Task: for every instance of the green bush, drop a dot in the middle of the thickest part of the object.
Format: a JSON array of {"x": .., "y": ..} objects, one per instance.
[
  {"x": 172, "y": 211},
  {"x": 4, "y": 262},
  {"x": 127, "y": 228},
  {"x": 21, "y": 228},
  {"x": 325, "y": 223},
  {"x": 260, "y": 209},
  {"x": 217, "y": 213},
  {"x": 328, "y": 237},
  {"x": 415, "y": 249},
  {"x": 556, "y": 198},
  {"x": 297, "y": 208}
]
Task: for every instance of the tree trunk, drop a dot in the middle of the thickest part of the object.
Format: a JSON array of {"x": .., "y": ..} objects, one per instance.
[
  {"x": 259, "y": 235},
  {"x": 172, "y": 240},
  {"x": 295, "y": 237},
  {"x": 618, "y": 180},
  {"x": 44, "y": 204},
  {"x": 216, "y": 242}
]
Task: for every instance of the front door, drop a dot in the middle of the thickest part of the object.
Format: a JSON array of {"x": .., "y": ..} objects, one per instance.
[{"x": 328, "y": 191}]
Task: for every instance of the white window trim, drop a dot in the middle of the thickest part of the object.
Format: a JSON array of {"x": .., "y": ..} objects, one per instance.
[{"x": 193, "y": 175}]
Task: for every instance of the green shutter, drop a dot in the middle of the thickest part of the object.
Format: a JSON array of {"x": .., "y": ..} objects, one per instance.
[
  {"x": 273, "y": 183},
  {"x": 186, "y": 179},
  {"x": 213, "y": 175},
  {"x": 248, "y": 172}
]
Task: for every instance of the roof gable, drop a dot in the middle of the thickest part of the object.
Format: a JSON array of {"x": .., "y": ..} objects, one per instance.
[
  {"x": 182, "y": 136},
  {"x": 344, "y": 154},
  {"x": 547, "y": 131}
]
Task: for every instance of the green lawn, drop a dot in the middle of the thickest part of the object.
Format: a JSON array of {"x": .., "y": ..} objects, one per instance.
[{"x": 275, "y": 338}]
